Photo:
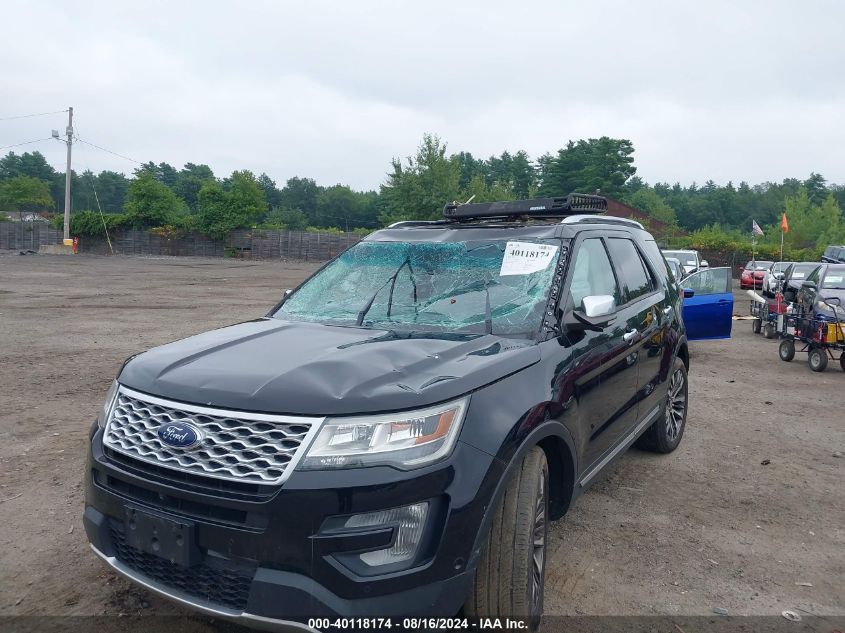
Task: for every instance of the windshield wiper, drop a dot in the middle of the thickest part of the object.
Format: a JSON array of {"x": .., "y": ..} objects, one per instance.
[{"x": 392, "y": 281}]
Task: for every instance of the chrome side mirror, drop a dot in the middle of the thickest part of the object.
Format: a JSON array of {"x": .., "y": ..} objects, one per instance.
[{"x": 598, "y": 305}]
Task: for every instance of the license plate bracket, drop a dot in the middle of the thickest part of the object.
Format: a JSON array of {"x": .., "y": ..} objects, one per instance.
[{"x": 169, "y": 538}]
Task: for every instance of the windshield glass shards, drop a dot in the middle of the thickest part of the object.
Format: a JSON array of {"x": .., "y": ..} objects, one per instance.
[{"x": 492, "y": 286}]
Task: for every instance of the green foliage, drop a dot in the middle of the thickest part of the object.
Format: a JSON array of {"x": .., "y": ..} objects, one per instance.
[
  {"x": 291, "y": 219},
  {"x": 189, "y": 181},
  {"x": 603, "y": 164},
  {"x": 24, "y": 193},
  {"x": 159, "y": 195},
  {"x": 418, "y": 188},
  {"x": 300, "y": 193},
  {"x": 221, "y": 211},
  {"x": 646, "y": 199},
  {"x": 151, "y": 203},
  {"x": 90, "y": 223},
  {"x": 812, "y": 227}
]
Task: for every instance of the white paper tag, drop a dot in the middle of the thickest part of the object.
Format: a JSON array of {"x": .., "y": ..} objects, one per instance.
[{"x": 524, "y": 258}]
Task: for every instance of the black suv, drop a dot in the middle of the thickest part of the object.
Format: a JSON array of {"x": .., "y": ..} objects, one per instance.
[{"x": 394, "y": 436}]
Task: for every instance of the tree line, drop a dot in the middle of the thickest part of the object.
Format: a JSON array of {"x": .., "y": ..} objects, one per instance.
[{"x": 193, "y": 198}]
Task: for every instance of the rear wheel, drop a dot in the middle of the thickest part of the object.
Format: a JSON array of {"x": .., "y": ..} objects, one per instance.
[
  {"x": 756, "y": 324},
  {"x": 665, "y": 434},
  {"x": 510, "y": 577},
  {"x": 769, "y": 330},
  {"x": 817, "y": 359},
  {"x": 842, "y": 361},
  {"x": 786, "y": 350}
]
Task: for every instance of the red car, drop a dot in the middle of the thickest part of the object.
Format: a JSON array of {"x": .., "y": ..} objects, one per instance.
[{"x": 753, "y": 275}]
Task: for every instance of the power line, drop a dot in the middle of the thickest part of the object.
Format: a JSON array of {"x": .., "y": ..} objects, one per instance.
[
  {"x": 26, "y": 116},
  {"x": 38, "y": 140},
  {"x": 109, "y": 151}
]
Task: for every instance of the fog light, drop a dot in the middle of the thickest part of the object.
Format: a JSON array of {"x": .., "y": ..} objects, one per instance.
[{"x": 411, "y": 520}]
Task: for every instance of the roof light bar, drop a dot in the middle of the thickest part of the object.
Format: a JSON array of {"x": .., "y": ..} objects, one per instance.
[{"x": 537, "y": 207}]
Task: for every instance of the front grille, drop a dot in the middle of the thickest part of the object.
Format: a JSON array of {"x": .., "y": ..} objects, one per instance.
[
  {"x": 215, "y": 581},
  {"x": 238, "y": 446}
]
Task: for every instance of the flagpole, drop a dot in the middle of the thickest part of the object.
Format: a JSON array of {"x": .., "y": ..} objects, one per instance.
[{"x": 781, "y": 243}]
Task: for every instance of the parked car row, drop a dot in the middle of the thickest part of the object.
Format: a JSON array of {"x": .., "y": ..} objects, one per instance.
[{"x": 689, "y": 260}]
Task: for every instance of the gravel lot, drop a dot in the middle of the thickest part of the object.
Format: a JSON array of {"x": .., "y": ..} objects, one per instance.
[{"x": 709, "y": 526}]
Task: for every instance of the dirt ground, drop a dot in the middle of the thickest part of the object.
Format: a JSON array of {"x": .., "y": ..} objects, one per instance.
[{"x": 748, "y": 515}]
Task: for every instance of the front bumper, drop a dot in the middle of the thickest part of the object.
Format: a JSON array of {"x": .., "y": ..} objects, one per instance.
[{"x": 265, "y": 561}]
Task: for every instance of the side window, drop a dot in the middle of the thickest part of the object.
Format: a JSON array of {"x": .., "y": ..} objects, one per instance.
[
  {"x": 592, "y": 274},
  {"x": 635, "y": 278},
  {"x": 710, "y": 281}
]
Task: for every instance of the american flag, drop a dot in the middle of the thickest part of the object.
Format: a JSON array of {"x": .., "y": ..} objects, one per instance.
[{"x": 755, "y": 228}]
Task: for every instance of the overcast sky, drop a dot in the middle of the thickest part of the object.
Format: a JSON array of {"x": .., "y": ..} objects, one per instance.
[{"x": 332, "y": 90}]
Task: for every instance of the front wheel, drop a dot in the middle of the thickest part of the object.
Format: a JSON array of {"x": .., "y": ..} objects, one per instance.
[
  {"x": 786, "y": 350},
  {"x": 817, "y": 359},
  {"x": 510, "y": 577},
  {"x": 665, "y": 434},
  {"x": 769, "y": 330}
]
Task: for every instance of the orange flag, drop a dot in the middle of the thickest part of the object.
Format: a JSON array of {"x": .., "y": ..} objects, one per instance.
[{"x": 784, "y": 225}]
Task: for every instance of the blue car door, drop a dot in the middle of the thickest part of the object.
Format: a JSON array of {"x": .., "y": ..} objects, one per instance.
[{"x": 708, "y": 313}]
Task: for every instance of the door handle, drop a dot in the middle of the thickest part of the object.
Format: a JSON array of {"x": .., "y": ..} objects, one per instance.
[{"x": 628, "y": 337}]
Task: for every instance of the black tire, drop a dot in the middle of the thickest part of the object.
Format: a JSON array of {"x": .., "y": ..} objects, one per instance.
[
  {"x": 769, "y": 331},
  {"x": 665, "y": 434},
  {"x": 510, "y": 576},
  {"x": 817, "y": 358},
  {"x": 756, "y": 324},
  {"x": 786, "y": 350},
  {"x": 842, "y": 361}
]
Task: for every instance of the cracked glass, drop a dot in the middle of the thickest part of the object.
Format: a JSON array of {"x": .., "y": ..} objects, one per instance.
[{"x": 432, "y": 287}]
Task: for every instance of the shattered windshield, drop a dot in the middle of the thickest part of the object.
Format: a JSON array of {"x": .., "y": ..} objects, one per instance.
[{"x": 497, "y": 286}]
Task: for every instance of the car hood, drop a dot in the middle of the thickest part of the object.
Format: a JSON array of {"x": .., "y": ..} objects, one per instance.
[
  {"x": 832, "y": 293},
  {"x": 277, "y": 366}
]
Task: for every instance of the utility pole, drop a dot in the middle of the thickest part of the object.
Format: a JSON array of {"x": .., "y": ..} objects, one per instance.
[{"x": 67, "y": 173}]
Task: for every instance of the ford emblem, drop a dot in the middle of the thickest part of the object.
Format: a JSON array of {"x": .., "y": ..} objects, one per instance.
[{"x": 179, "y": 434}]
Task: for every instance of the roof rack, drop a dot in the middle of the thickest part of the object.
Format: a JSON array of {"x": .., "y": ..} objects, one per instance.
[
  {"x": 592, "y": 219},
  {"x": 574, "y": 203}
]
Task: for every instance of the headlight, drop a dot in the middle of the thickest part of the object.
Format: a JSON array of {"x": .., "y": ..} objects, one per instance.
[
  {"x": 111, "y": 396},
  {"x": 404, "y": 440}
]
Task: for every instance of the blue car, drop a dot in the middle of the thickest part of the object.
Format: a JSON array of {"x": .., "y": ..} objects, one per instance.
[{"x": 708, "y": 304}]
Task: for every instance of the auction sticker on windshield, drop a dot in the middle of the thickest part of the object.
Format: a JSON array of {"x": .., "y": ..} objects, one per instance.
[{"x": 524, "y": 258}]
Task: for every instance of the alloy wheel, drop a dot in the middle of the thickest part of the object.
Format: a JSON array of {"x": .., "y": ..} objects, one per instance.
[
  {"x": 676, "y": 405},
  {"x": 539, "y": 547}
]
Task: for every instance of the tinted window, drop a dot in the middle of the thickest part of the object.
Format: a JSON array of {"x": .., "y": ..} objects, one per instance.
[
  {"x": 592, "y": 274},
  {"x": 709, "y": 282},
  {"x": 834, "y": 278},
  {"x": 800, "y": 271},
  {"x": 635, "y": 278}
]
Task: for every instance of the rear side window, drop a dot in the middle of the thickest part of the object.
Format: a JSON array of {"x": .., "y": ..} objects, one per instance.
[
  {"x": 633, "y": 274},
  {"x": 592, "y": 274}
]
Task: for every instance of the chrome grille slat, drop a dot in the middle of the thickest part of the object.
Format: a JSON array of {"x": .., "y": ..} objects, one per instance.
[{"x": 238, "y": 446}]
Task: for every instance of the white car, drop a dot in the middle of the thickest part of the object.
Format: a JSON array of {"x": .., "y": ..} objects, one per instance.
[
  {"x": 774, "y": 277},
  {"x": 690, "y": 260}
]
